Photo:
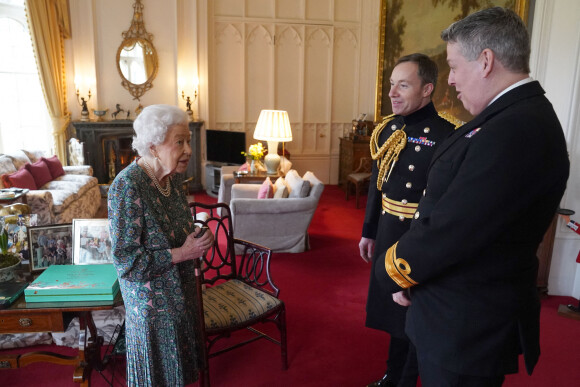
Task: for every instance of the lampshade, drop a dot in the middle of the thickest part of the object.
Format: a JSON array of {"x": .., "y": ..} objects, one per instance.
[{"x": 273, "y": 126}]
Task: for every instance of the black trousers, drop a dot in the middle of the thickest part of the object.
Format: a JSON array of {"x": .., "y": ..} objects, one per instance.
[
  {"x": 402, "y": 367},
  {"x": 433, "y": 375}
]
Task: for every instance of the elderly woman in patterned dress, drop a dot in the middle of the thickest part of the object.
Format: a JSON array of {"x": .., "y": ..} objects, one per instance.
[{"x": 153, "y": 246}]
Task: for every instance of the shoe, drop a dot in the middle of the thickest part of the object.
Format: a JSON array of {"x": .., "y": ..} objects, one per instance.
[{"x": 385, "y": 381}]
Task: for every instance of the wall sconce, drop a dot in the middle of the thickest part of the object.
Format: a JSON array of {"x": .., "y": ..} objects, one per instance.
[
  {"x": 188, "y": 103},
  {"x": 83, "y": 102}
]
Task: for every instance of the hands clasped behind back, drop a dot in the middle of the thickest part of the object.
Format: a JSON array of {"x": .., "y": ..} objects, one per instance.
[{"x": 193, "y": 247}]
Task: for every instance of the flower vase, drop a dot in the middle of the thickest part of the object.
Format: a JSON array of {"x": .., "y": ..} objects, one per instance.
[{"x": 253, "y": 167}]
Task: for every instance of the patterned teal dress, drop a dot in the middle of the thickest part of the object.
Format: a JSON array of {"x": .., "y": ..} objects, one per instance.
[{"x": 160, "y": 303}]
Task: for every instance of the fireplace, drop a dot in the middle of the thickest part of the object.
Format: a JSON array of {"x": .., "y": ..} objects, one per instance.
[{"x": 107, "y": 148}]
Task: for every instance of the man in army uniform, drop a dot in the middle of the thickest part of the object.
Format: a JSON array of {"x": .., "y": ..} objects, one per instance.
[
  {"x": 402, "y": 147},
  {"x": 469, "y": 258}
]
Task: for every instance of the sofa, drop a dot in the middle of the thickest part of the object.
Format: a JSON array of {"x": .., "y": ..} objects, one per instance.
[
  {"x": 281, "y": 219},
  {"x": 58, "y": 194}
]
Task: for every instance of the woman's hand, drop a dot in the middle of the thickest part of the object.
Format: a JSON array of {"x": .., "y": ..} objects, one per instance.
[{"x": 194, "y": 246}]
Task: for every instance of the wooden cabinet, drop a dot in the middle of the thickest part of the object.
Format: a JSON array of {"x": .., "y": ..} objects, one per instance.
[{"x": 351, "y": 151}]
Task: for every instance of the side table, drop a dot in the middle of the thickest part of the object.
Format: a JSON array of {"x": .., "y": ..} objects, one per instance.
[
  {"x": 19, "y": 196},
  {"x": 21, "y": 317},
  {"x": 243, "y": 177}
]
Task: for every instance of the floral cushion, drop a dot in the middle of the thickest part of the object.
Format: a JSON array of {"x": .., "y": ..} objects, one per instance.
[
  {"x": 234, "y": 302},
  {"x": 19, "y": 158},
  {"x": 6, "y": 167}
]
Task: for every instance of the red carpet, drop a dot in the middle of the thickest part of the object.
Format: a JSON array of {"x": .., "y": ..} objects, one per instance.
[{"x": 328, "y": 345}]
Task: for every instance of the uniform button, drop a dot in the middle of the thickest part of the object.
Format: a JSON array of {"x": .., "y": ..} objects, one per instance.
[
  {"x": 383, "y": 212},
  {"x": 417, "y": 148},
  {"x": 411, "y": 167},
  {"x": 424, "y": 191},
  {"x": 404, "y": 201},
  {"x": 393, "y": 127},
  {"x": 384, "y": 196},
  {"x": 401, "y": 218},
  {"x": 427, "y": 130},
  {"x": 408, "y": 185},
  {"x": 417, "y": 215}
]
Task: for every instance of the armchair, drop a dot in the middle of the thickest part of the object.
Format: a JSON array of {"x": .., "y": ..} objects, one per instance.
[
  {"x": 280, "y": 224},
  {"x": 235, "y": 292}
]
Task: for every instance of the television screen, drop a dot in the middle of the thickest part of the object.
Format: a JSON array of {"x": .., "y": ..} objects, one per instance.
[{"x": 225, "y": 147}]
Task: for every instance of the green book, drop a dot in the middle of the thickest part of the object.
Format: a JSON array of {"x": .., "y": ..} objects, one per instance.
[
  {"x": 10, "y": 291},
  {"x": 74, "y": 283}
]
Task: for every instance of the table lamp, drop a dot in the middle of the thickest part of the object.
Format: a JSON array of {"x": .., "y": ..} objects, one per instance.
[{"x": 273, "y": 126}]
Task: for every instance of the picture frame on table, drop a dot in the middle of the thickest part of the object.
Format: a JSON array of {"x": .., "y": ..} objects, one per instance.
[
  {"x": 407, "y": 27},
  {"x": 91, "y": 242},
  {"x": 50, "y": 245},
  {"x": 16, "y": 227}
]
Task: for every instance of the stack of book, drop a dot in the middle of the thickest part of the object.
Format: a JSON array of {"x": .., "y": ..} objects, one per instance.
[
  {"x": 63, "y": 283},
  {"x": 10, "y": 291}
]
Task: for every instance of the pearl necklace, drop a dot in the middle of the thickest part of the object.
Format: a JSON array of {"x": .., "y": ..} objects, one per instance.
[{"x": 165, "y": 191}]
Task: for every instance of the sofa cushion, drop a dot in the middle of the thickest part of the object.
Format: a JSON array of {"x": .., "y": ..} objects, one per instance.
[
  {"x": 61, "y": 199},
  {"x": 33, "y": 155},
  {"x": 266, "y": 190},
  {"x": 6, "y": 167},
  {"x": 19, "y": 158},
  {"x": 54, "y": 165},
  {"x": 19, "y": 179},
  {"x": 298, "y": 187},
  {"x": 280, "y": 189},
  {"x": 39, "y": 170}
]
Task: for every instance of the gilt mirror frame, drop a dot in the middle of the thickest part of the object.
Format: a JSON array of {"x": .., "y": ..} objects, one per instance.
[
  {"x": 415, "y": 26},
  {"x": 135, "y": 36}
]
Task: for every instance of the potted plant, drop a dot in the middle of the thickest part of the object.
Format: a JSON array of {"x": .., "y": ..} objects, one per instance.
[{"x": 8, "y": 260}]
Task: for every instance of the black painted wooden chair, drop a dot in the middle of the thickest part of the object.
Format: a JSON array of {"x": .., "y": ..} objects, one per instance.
[{"x": 236, "y": 292}]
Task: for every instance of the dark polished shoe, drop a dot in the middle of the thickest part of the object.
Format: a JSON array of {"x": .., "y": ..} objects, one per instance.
[{"x": 385, "y": 381}]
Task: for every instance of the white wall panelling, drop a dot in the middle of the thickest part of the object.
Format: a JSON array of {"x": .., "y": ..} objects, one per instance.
[{"x": 300, "y": 56}]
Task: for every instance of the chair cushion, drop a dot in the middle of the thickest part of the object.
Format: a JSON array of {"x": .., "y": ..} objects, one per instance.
[
  {"x": 54, "y": 165},
  {"x": 298, "y": 187},
  {"x": 359, "y": 177},
  {"x": 234, "y": 303},
  {"x": 280, "y": 189},
  {"x": 266, "y": 190},
  {"x": 39, "y": 170},
  {"x": 19, "y": 179}
]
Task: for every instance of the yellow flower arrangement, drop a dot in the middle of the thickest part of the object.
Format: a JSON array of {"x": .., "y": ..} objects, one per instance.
[{"x": 256, "y": 152}]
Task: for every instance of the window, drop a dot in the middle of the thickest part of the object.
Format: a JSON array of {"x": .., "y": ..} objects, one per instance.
[{"x": 24, "y": 119}]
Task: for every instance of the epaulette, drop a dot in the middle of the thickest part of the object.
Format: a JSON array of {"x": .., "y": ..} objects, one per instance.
[{"x": 451, "y": 119}]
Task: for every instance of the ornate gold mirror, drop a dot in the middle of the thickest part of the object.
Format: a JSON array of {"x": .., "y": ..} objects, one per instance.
[{"x": 136, "y": 57}]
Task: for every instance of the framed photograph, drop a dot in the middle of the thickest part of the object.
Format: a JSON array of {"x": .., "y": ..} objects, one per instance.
[
  {"x": 16, "y": 227},
  {"x": 50, "y": 245},
  {"x": 91, "y": 241},
  {"x": 407, "y": 27}
]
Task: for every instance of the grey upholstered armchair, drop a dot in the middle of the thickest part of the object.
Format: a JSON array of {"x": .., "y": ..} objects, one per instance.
[{"x": 279, "y": 224}]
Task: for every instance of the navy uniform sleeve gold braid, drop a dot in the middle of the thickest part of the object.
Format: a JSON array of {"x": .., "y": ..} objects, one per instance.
[{"x": 470, "y": 254}]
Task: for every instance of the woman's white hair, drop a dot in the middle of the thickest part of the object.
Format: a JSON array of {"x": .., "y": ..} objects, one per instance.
[{"x": 151, "y": 126}]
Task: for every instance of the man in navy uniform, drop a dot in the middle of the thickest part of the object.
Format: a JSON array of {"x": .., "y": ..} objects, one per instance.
[
  {"x": 402, "y": 146},
  {"x": 469, "y": 259}
]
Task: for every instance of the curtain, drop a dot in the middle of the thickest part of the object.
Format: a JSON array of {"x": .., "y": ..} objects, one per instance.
[{"x": 49, "y": 25}]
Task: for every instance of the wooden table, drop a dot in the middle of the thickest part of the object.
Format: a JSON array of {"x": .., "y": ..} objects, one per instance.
[
  {"x": 22, "y": 317},
  {"x": 253, "y": 177}
]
